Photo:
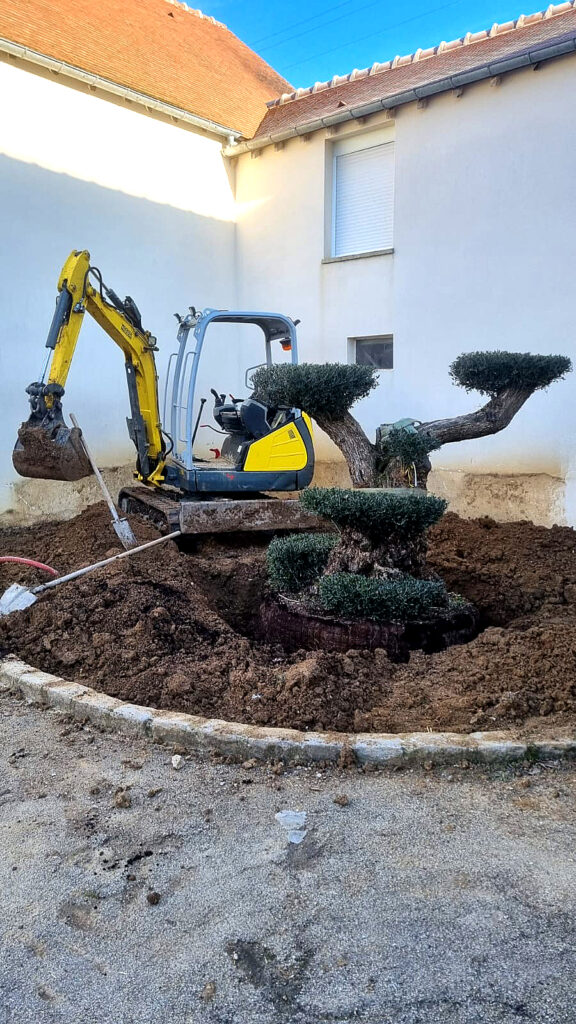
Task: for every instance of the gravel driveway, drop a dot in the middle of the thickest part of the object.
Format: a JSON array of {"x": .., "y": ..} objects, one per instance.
[{"x": 135, "y": 893}]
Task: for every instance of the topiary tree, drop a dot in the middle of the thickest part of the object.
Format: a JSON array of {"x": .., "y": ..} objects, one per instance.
[
  {"x": 327, "y": 392},
  {"x": 380, "y": 533},
  {"x": 374, "y": 567}
]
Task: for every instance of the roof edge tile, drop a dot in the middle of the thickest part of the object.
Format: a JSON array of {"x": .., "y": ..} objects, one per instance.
[{"x": 420, "y": 55}]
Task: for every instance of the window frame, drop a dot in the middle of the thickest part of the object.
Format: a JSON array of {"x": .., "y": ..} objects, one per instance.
[
  {"x": 337, "y": 147},
  {"x": 352, "y": 349}
]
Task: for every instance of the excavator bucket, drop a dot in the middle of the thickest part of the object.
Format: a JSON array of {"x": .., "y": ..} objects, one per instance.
[
  {"x": 46, "y": 448},
  {"x": 50, "y": 452}
]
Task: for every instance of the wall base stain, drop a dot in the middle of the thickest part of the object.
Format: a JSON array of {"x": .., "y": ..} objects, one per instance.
[
  {"x": 537, "y": 497},
  {"x": 41, "y": 500}
]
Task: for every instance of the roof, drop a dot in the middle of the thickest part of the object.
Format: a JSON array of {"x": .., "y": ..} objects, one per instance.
[
  {"x": 401, "y": 78},
  {"x": 160, "y": 48}
]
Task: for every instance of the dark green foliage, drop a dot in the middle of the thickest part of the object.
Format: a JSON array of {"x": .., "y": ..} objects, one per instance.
[
  {"x": 490, "y": 373},
  {"x": 324, "y": 391},
  {"x": 405, "y": 444},
  {"x": 296, "y": 561},
  {"x": 366, "y": 597},
  {"x": 375, "y": 513}
]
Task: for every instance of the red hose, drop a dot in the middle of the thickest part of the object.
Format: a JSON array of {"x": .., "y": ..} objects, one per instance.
[{"x": 29, "y": 561}]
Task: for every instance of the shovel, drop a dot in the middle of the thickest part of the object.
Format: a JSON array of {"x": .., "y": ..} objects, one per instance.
[
  {"x": 17, "y": 597},
  {"x": 122, "y": 527}
]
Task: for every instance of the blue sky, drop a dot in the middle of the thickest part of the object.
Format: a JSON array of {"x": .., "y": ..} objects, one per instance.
[{"x": 312, "y": 40}]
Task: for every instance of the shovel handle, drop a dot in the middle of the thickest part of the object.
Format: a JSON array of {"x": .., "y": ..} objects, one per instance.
[
  {"x": 96, "y": 471},
  {"x": 106, "y": 561}
]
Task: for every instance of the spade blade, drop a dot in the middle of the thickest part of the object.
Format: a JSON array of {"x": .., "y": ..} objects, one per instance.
[{"x": 16, "y": 599}]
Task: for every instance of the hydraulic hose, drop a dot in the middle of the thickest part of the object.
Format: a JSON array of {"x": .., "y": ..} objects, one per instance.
[{"x": 29, "y": 561}]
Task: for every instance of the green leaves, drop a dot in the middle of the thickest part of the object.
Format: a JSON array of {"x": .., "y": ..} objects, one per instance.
[
  {"x": 296, "y": 561},
  {"x": 324, "y": 391},
  {"x": 366, "y": 597},
  {"x": 375, "y": 513},
  {"x": 407, "y": 445},
  {"x": 490, "y": 373}
]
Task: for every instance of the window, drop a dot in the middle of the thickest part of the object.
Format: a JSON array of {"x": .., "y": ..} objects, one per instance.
[
  {"x": 377, "y": 351},
  {"x": 362, "y": 195}
]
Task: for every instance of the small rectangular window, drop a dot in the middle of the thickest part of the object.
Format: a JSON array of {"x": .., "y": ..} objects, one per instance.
[
  {"x": 376, "y": 351},
  {"x": 363, "y": 199}
]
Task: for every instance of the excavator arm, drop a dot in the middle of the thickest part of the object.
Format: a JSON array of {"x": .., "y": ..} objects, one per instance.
[{"x": 46, "y": 447}]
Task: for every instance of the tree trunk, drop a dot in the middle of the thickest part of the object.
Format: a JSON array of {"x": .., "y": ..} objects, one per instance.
[
  {"x": 387, "y": 556},
  {"x": 361, "y": 456},
  {"x": 490, "y": 419},
  {"x": 363, "y": 459}
]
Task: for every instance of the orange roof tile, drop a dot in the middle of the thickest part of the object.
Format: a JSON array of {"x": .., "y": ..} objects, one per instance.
[
  {"x": 419, "y": 69},
  {"x": 158, "y": 47}
]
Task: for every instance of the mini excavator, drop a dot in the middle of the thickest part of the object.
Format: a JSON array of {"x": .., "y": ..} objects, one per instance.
[{"x": 265, "y": 449}]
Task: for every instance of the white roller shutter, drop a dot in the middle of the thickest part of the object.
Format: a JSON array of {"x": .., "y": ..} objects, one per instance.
[{"x": 363, "y": 200}]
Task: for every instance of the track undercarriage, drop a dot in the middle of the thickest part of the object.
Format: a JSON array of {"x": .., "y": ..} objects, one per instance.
[{"x": 171, "y": 511}]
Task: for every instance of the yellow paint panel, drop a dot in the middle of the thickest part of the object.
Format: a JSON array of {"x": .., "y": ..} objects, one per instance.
[{"x": 282, "y": 449}]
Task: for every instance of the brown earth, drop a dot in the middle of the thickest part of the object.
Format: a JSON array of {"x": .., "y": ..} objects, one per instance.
[{"x": 172, "y": 628}]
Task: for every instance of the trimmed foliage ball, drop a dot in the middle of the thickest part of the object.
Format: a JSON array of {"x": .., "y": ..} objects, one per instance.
[
  {"x": 324, "y": 391},
  {"x": 490, "y": 373},
  {"x": 366, "y": 597},
  {"x": 375, "y": 513},
  {"x": 296, "y": 561}
]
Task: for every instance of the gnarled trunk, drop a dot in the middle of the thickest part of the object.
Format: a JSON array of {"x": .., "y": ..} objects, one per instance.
[
  {"x": 489, "y": 419},
  {"x": 361, "y": 456},
  {"x": 386, "y": 556},
  {"x": 364, "y": 461}
]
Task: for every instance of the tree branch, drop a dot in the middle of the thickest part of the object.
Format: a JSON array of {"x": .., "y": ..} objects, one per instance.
[{"x": 490, "y": 419}]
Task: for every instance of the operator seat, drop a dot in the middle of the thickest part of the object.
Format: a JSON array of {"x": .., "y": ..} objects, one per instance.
[{"x": 254, "y": 416}]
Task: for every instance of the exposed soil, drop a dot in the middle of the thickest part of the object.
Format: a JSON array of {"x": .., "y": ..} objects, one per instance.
[{"x": 172, "y": 628}]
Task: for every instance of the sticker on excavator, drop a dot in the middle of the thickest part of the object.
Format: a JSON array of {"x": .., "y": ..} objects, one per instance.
[{"x": 55, "y": 454}]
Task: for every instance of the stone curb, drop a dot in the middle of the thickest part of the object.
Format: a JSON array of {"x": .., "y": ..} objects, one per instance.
[{"x": 245, "y": 742}]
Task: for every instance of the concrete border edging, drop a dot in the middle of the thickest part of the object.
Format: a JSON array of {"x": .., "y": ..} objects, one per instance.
[{"x": 244, "y": 742}]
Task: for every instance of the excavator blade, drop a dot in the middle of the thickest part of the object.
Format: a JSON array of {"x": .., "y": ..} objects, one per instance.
[{"x": 51, "y": 452}]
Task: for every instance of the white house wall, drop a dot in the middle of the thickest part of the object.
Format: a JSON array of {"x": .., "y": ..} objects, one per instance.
[
  {"x": 485, "y": 247},
  {"x": 154, "y": 205},
  {"x": 484, "y": 255}
]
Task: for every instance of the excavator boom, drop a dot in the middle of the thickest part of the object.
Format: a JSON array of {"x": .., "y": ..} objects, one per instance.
[{"x": 46, "y": 447}]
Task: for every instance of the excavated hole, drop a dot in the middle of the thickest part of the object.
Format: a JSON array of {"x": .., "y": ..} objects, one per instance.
[
  {"x": 231, "y": 572},
  {"x": 177, "y": 629}
]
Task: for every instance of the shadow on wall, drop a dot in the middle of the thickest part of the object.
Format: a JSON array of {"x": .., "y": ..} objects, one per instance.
[{"x": 165, "y": 258}]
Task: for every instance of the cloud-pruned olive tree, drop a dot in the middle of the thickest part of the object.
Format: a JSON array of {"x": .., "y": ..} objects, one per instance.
[{"x": 328, "y": 391}]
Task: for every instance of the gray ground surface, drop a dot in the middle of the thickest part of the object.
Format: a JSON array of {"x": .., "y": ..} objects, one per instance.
[{"x": 433, "y": 896}]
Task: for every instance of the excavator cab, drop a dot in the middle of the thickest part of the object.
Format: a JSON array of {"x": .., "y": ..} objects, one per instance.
[{"x": 264, "y": 448}]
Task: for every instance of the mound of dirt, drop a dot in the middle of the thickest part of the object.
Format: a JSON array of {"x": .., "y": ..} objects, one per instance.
[{"x": 173, "y": 627}]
